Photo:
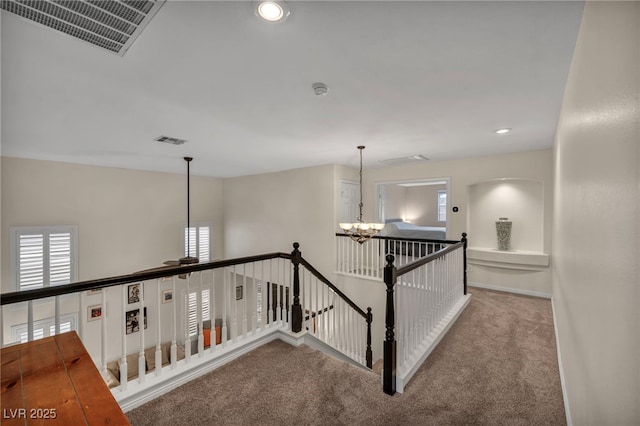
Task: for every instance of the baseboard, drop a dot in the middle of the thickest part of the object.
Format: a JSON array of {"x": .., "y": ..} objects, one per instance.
[
  {"x": 511, "y": 290},
  {"x": 563, "y": 383}
]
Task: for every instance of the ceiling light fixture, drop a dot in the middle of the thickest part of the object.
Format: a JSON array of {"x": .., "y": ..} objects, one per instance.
[
  {"x": 361, "y": 231},
  {"x": 272, "y": 11},
  {"x": 503, "y": 131}
]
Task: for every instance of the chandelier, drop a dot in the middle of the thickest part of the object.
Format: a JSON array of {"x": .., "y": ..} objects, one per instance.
[{"x": 361, "y": 231}]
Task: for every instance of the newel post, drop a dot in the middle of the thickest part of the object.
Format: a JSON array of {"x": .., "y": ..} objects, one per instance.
[
  {"x": 389, "y": 353},
  {"x": 296, "y": 309},
  {"x": 369, "y": 353},
  {"x": 464, "y": 260}
]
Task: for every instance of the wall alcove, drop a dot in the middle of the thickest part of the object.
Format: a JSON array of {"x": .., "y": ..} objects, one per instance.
[{"x": 520, "y": 200}]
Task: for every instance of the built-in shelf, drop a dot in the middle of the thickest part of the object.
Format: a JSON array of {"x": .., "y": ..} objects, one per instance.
[{"x": 515, "y": 259}]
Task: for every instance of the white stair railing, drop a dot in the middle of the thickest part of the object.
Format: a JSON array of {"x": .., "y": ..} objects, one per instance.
[
  {"x": 423, "y": 298},
  {"x": 144, "y": 328},
  {"x": 367, "y": 259}
]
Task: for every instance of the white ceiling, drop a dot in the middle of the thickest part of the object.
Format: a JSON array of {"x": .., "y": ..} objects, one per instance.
[{"x": 405, "y": 78}]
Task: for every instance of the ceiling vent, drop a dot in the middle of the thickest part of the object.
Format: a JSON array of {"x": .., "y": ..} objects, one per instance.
[
  {"x": 170, "y": 140},
  {"x": 110, "y": 24},
  {"x": 405, "y": 160}
]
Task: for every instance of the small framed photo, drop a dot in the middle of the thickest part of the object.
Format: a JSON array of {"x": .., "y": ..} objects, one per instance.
[
  {"x": 167, "y": 296},
  {"x": 239, "y": 292},
  {"x": 132, "y": 320},
  {"x": 94, "y": 312},
  {"x": 134, "y": 293},
  {"x": 94, "y": 291}
]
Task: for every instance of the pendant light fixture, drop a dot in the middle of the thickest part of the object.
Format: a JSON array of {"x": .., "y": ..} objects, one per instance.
[
  {"x": 361, "y": 231},
  {"x": 188, "y": 259}
]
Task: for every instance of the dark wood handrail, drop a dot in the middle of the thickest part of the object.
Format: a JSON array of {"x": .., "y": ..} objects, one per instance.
[
  {"x": 427, "y": 259},
  {"x": 40, "y": 293},
  {"x": 328, "y": 283}
]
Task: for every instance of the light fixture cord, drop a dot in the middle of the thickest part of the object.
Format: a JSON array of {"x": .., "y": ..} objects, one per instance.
[
  {"x": 188, "y": 160},
  {"x": 360, "y": 217}
]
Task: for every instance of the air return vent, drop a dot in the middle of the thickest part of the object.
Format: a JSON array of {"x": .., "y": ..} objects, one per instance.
[
  {"x": 405, "y": 160},
  {"x": 110, "y": 24},
  {"x": 168, "y": 139}
]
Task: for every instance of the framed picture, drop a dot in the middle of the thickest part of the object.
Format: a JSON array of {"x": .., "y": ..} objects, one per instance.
[
  {"x": 132, "y": 320},
  {"x": 167, "y": 296},
  {"x": 134, "y": 293},
  {"x": 94, "y": 291},
  {"x": 94, "y": 312},
  {"x": 239, "y": 292}
]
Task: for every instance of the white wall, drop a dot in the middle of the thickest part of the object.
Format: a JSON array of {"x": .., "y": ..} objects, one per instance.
[
  {"x": 422, "y": 205},
  {"x": 596, "y": 235},
  {"x": 269, "y": 212},
  {"x": 127, "y": 221}
]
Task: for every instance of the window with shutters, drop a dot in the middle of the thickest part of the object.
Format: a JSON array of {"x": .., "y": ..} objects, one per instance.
[
  {"x": 193, "y": 310},
  {"x": 43, "y": 256},
  {"x": 197, "y": 242},
  {"x": 44, "y": 328}
]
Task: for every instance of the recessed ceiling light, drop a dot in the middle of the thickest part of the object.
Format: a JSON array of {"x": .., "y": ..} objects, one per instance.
[
  {"x": 502, "y": 131},
  {"x": 272, "y": 11}
]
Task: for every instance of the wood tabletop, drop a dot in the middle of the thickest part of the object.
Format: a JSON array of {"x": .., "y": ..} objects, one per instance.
[{"x": 53, "y": 381}]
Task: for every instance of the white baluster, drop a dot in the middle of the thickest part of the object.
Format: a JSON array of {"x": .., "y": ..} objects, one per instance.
[
  {"x": 103, "y": 324},
  {"x": 158, "y": 352},
  {"x": 225, "y": 300},
  {"x": 123, "y": 360},
  {"x": 174, "y": 328},
  {"x": 263, "y": 299},
  {"x": 212, "y": 307},
  {"x": 141, "y": 324},
  {"x": 57, "y": 314},
  {"x": 317, "y": 307},
  {"x": 81, "y": 316},
  {"x": 234, "y": 304},
  {"x": 199, "y": 318},
  {"x": 187, "y": 334},
  {"x": 245, "y": 294},
  {"x": 254, "y": 309}
]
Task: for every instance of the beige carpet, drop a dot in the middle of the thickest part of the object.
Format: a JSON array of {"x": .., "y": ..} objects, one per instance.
[{"x": 496, "y": 366}]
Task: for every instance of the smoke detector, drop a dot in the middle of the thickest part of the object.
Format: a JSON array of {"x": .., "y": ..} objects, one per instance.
[{"x": 320, "y": 89}]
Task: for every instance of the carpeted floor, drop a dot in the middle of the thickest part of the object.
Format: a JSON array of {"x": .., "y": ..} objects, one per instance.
[{"x": 496, "y": 366}]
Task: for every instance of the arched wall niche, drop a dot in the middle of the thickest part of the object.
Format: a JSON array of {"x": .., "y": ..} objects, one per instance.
[{"x": 520, "y": 200}]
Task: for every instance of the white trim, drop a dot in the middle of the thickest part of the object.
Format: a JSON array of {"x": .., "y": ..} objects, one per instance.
[
  {"x": 563, "y": 382},
  {"x": 16, "y": 231},
  {"x": 511, "y": 290}
]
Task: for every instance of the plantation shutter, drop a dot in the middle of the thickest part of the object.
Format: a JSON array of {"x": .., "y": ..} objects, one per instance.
[
  {"x": 44, "y": 256},
  {"x": 30, "y": 261},
  {"x": 193, "y": 310},
  {"x": 197, "y": 242},
  {"x": 193, "y": 314},
  {"x": 203, "y": 243}
]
